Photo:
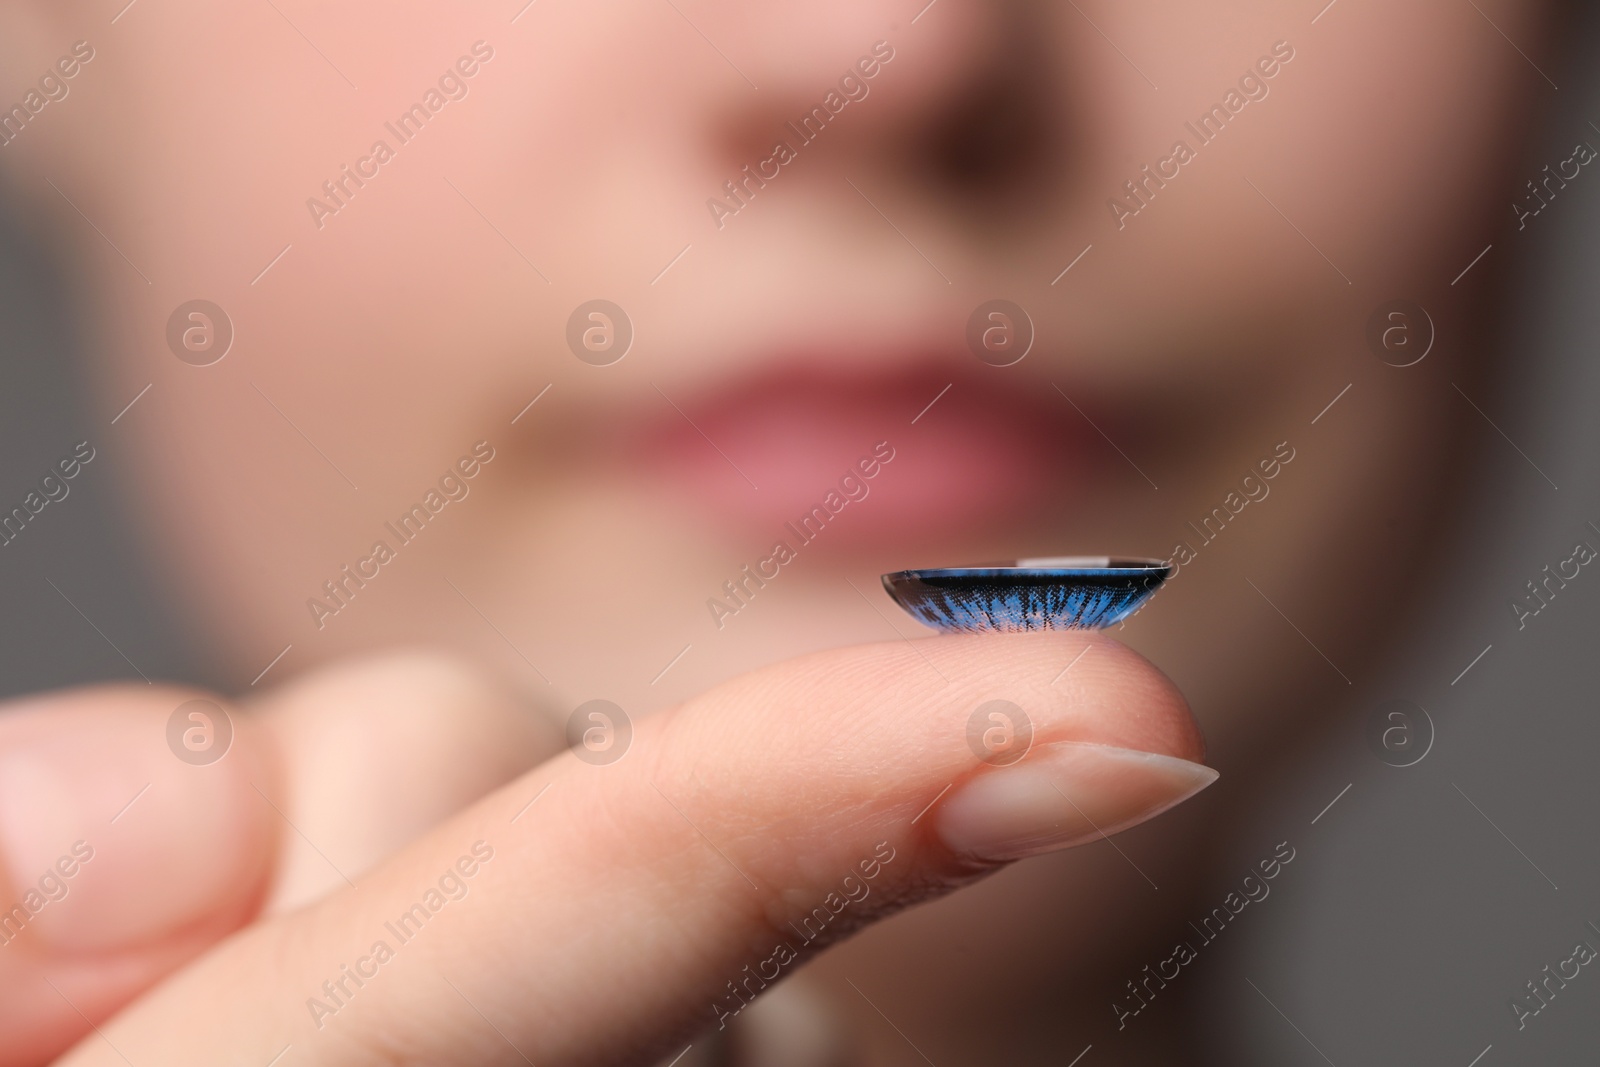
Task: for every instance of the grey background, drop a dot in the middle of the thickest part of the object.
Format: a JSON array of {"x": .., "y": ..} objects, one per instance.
[
  {"x": 85, "y": 543},
  {"x": 1406, "y": 922}
]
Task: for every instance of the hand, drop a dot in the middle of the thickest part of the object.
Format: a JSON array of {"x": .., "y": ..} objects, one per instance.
[
  {"x": 360, "y": 760},
  {"x": 616, "y": 917}
]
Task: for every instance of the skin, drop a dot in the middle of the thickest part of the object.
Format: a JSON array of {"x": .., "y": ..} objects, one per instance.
[{"x": 1192, "y": 340}]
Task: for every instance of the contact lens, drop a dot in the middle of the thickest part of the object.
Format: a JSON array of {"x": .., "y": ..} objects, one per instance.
[{"x": 1060, "y": 593}]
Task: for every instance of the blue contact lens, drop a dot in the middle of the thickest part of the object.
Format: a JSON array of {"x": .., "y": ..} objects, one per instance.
[{"x": 1061, "y": 593}]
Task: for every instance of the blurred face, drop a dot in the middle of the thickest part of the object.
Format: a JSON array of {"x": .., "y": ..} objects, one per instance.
[
  {"x": 622, "y": 347},
  {"x": 797, "y": 219}
]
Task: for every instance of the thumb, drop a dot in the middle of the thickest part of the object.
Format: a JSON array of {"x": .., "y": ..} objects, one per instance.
[
  {"x": 127, "y": 845},
  {"x": 605, "y": 914}
]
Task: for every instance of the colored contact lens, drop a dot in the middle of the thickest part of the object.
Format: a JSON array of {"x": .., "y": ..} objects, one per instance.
[{"x": 1061, "y": 593}]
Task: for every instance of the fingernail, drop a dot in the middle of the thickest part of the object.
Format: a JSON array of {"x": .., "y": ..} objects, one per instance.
[
  {"x": 1064, "y": 794},
  {"x": 108, "y": 841}
]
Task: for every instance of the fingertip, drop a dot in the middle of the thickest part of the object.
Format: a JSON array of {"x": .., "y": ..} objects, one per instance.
[
  {"x": 127, "y": 815},
  {"x": 1070, "y": 685}
]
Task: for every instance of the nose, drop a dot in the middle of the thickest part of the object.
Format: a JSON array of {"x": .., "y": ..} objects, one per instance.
[{"x": 959, "y": 98}]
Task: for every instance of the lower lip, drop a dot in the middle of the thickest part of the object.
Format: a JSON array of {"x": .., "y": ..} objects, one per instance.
[{"x": 975, "y": 459}]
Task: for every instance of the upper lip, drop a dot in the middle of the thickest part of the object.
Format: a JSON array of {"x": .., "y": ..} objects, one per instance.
[
  {"x": 898, "y": 392},
  {"x": 883, "y": 388}
]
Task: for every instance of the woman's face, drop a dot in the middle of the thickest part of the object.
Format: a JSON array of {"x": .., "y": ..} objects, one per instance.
[
  {"x": 800, "y": 216},
  {"x": 404, "y": 282}
]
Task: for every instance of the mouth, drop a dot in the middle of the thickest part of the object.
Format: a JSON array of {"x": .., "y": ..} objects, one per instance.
[{"x": 969, "y": 448}]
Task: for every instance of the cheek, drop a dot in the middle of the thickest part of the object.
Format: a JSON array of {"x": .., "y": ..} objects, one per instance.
[
  {"x": 1374, "y": 150},
  {"x": 1383, "y": 184}
]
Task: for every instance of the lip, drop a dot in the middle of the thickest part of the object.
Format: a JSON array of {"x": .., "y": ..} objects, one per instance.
[{"x": 972, "y": 448}]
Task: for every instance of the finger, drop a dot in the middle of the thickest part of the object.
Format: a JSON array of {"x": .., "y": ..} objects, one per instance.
[
  {"x": 377, "y": 751},
  {"x": 321, "y": 778},
  {"x": 118, "y": 860},
  {"x": 634, "y": 904}
]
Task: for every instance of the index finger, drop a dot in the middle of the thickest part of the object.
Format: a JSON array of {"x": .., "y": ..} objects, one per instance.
[{"x": 602, "y": 914}]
